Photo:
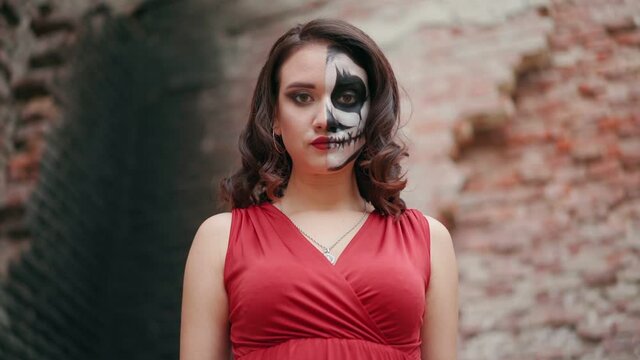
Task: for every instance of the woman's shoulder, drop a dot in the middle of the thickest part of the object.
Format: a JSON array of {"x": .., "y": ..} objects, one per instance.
[
  {"x": 212, "y": 236},
  {"x": 437, "y": 230},
  {"x": 217, "y": 228},
  {"x": 214, "y": 224}
]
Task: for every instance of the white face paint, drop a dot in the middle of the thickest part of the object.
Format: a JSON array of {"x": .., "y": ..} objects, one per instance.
[{"x": 347, "y": 107}]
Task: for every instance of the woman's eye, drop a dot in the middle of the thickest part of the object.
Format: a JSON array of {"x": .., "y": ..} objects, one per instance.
[
  {"x": 302, "y": 98},
  {"x": 347, "y": 99}
]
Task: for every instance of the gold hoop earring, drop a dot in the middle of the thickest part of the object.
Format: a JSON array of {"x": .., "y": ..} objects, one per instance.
[{"x": 279, "y": 150}]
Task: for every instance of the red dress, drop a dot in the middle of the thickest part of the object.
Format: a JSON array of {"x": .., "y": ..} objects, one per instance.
[{"x": 287, "y": 301}]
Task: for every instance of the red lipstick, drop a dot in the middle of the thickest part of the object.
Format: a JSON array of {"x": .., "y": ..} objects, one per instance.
[{"x": 321, "y": 142}]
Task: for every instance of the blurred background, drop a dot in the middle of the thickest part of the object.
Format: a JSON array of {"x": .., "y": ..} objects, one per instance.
[{"x": 118, "y": 118}]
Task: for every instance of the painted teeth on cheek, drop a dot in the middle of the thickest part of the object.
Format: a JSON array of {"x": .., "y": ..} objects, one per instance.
[{"x": 342, "y": 142}]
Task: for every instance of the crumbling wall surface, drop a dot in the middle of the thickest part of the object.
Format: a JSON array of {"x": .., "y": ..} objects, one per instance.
[
  {"x": 104, "y": 108},
  {"x": 548, "y": 219}
]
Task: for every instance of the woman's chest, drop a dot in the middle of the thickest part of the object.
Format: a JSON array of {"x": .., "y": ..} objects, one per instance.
[{"x": 383, "y": 296}]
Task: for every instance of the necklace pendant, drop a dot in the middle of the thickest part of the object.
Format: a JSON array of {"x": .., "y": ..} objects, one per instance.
[{"x": 329, "y": 256}]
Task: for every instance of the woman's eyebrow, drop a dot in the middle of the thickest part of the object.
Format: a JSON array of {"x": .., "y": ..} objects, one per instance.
[{"x": 299, "y": 84}]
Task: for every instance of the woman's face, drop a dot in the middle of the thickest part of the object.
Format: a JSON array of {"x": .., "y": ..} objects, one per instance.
[{"x": 322, "y": 108}]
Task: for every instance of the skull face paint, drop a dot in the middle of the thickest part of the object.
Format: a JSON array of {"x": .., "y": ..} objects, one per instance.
[{"x": 347, "y": 107}]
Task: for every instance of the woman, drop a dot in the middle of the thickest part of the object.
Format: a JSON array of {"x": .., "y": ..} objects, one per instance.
[{"x": 320, "y": 258}]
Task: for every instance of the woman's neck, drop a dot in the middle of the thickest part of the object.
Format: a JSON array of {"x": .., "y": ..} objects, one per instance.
[{"x": 327, "y": 192}]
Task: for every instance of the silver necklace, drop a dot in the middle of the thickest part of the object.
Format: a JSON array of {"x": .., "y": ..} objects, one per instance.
[{"x": 326, "y": 251}]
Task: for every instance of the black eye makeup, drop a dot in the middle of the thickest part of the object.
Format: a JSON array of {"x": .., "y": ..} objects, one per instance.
[
  {"x": 349, "y": 93},
  {"x": 347, "y": 98}
]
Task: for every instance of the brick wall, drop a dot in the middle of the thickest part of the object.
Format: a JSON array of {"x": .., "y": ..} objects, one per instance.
[
  {"x": 548, "y": 220},
  {"x": 108, "y": 173}
]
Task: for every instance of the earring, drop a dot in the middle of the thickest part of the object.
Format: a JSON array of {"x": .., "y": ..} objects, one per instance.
[{"x": 278, "y": 148}]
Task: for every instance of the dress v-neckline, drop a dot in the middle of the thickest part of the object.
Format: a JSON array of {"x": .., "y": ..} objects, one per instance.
[{"x": 339, "y": 260}]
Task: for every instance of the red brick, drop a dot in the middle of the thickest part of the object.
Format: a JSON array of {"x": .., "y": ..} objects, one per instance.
[
  {"x": 498, "y": 288},
  {"x": 629, "y": 38},
  {"x": 551, "y": 107},
  {"x": 469, "y": 330},
  {"x": 570, "y": 15},
  {"x": 591, "y": 90},
  {"x": 558, "y": 316},
  {"x": 603, "y": 54},
  {"x": 543, "y": 259},
  {"x": 630, "y": 152},
  {"x": 30, "y": 136},
  {"x": 39, "y": 108},
  {"x": 510, "y": 322},
  {"x": 629, "y": 325},
  {"x": 620, "y": 24},
  {"x": 630, "y": 127},
  {"x": 620, "y": 345},
  {"x": 600, "y": 277},
  {"x": 526, "y": 133},
  {"x": 562, "y": 40},
  {"x": 604, "y": 169},
  {"x": 17, "y": 194},
  {"x": 508, "y": 180},
  {"x": 609, "y": 123},
  {"x": 592, "y": 331},
  {"x": 509, "y": 245},
  {"x": 629, "y": 181},
  {"x": 23, "y": 166},
  {"x": 616, "y": 258},
  {"x": 485, "y": 216},
  {"x": 600, "y": 45},
  {"x": 587, "y": 151}
]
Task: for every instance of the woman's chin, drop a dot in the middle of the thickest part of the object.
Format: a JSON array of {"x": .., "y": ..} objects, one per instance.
[{"x": 319, "y": 169}]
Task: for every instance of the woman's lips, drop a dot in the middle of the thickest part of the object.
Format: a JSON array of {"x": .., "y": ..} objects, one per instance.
[
  {"x": 321, "y": 146},
  {"x": 321, "y": 142},
  {"x": 325, "y": 142}
]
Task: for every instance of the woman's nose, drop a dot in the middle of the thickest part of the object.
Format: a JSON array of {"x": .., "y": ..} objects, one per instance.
[{"x": 320, "y": 119}]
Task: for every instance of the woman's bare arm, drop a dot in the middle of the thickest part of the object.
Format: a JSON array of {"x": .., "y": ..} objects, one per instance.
[
  {"x": 440, "y": 327},
  {"x": 204, "y": 327}
]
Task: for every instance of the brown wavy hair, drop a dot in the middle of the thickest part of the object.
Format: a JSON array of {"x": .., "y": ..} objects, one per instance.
[{"x": 265, "y": 172}]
